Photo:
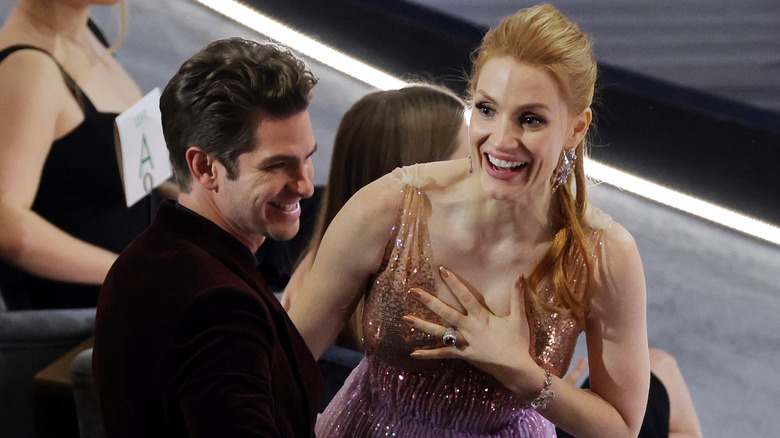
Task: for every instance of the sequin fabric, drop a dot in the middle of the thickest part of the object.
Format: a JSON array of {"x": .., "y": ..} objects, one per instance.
[
  {"x": 553, "y": 337},
  {"x": 390, "y": 394}
]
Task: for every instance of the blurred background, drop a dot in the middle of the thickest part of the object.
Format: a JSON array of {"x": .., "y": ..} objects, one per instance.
[{"x": 689, "y": 98}]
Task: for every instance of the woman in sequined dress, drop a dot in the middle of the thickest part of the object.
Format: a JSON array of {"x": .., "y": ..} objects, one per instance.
[{"x": 529, "y": 265}]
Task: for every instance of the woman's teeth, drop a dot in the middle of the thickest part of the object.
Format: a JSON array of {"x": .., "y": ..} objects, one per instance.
[{"x": 504, "y": 164}]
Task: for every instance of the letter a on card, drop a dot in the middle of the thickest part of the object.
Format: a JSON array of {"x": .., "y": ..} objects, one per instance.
[{"x": 140, "y": 146}]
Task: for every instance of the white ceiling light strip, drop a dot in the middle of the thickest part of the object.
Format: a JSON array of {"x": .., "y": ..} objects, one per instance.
[
  {"x": 383, "y": 81},
  {"x": 683, "y": 202},
  {"x": 303, "y": 44}
]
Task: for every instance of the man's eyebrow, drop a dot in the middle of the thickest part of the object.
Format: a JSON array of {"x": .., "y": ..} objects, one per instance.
[{"x": 285, "y": 158}]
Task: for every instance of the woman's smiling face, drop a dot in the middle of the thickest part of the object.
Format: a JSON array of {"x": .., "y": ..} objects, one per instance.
[{"x": 520, "y": 123}]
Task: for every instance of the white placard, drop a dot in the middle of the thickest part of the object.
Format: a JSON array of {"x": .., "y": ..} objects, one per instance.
[{"x": 140, "y": 146}]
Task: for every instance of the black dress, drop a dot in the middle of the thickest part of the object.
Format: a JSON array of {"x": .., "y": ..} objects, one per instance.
[
  {"x": 81, "y": 193},
  {"x": 656, "y": 421}
]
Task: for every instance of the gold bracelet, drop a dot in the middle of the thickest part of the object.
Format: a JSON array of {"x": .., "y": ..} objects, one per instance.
[{"x": 546, "y": 394}]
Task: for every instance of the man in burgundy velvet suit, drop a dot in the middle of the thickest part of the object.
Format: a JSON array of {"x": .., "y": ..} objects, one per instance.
[{"x": 189, "y": 339}]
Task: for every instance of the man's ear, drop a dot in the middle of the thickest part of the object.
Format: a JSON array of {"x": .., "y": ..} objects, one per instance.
[
  {"x": 580, "y": 125},
  {"x": 202, "y": 167}
]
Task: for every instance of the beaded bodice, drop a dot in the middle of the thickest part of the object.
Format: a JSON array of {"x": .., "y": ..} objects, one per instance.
[
  {"x": 391, "y": 394},
  {"x": 459, "y": 392}
]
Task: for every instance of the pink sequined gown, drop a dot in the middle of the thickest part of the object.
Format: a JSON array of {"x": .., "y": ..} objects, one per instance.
[{"x": 390, "y": 394}]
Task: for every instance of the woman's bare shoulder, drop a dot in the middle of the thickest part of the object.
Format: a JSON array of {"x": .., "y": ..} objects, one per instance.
[
  {"x": 369, "y": 215},
  {"x": 377, "y": 197},
  {"x": 25, "y": 68},
  {"x": 620, "y": 275},
  {"x": 433, "y": 176},
  {"x": 615, "y": 243}
]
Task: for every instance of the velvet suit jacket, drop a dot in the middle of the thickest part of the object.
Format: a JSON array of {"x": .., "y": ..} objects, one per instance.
[{"x": 190, "y": 341}]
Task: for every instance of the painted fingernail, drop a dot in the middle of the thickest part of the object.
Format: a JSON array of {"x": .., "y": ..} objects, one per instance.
[
  {"x": 444, "y": 272},
  {"x": 407, "y": 320},
  {"x": 416, "y": 292}
]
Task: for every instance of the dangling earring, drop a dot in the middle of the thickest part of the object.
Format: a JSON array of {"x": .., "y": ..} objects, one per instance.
[
  {"x": 471, "y": 165},
  {"x": 562, "y": 173}
]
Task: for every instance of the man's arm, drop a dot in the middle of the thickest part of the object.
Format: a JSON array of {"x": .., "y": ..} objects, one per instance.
[{"x": 222, "y": 366}]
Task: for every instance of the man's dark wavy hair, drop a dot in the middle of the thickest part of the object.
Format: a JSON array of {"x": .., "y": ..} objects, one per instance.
[{"x": 217, "y": 97}]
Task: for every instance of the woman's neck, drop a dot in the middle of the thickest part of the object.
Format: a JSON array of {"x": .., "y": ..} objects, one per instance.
[
  {"x": 525, "y": 218},
  {"x": 56, "y": 19},
  {"x": 62, "y": 30}
]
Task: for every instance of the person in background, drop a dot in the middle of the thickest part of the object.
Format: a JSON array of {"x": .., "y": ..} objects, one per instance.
[
  {"x": 189, "y": 339},
  {"x": 670, "y": 411},
  {"x": 479, "y": 275},
  {"x": 382, "y": 131},
  {"x": 62, "y": 204}
]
